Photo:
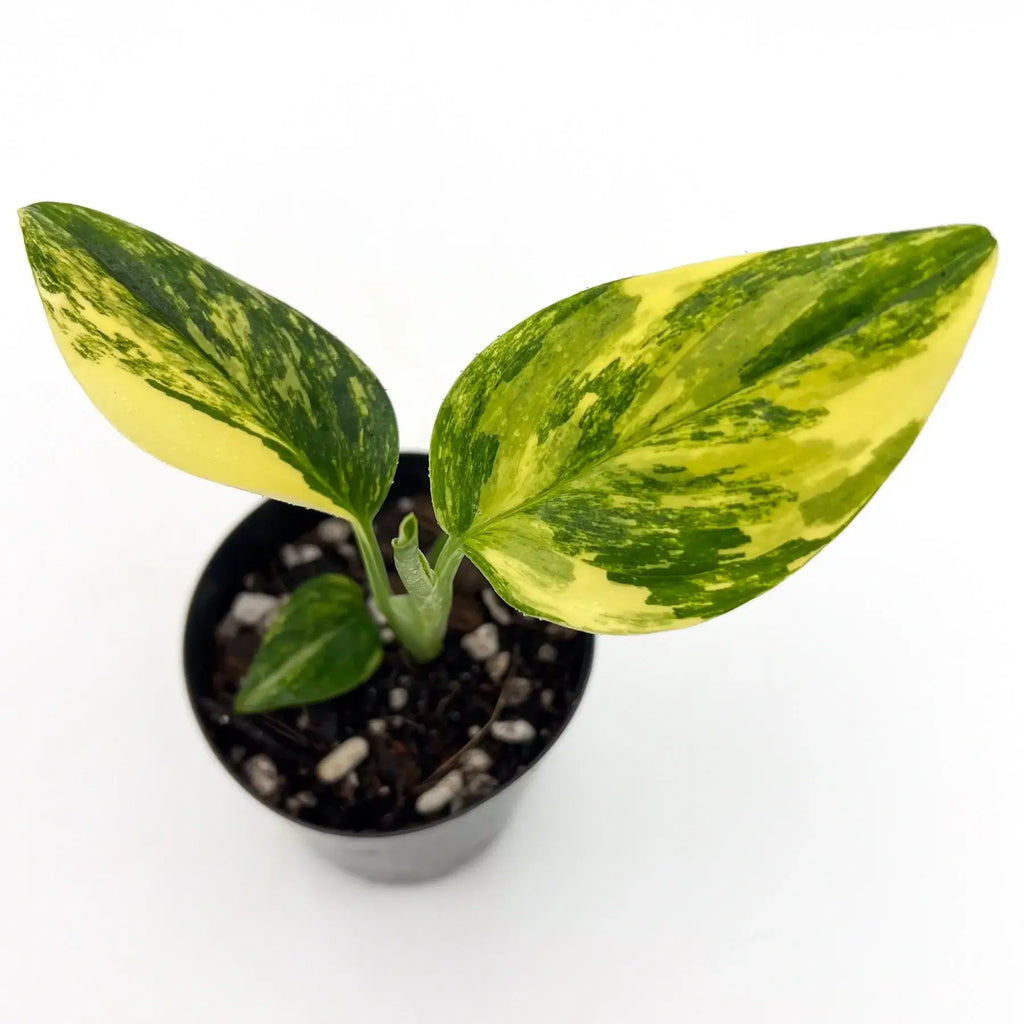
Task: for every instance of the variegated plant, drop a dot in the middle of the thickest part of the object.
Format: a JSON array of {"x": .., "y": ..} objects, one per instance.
[{"x": 641, "y": 456}]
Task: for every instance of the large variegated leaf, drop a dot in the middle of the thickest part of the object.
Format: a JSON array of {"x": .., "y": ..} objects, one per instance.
[
  {"x": 207, "y": 372},
  {"x": 655, "y": 451},
  {"x": 323, "y": 643}
]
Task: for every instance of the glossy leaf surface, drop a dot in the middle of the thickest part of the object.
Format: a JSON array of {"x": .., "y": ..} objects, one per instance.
[
  {"x": 206, "y": 372},
  {"x": 323, "y": 643},
  {"x": 655, "y": 451}
]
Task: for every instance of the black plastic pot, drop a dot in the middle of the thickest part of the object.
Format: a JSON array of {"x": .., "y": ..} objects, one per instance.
[{"x": 406, "y": 855}]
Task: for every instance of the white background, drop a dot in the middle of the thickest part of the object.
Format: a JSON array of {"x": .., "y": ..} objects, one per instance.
[{"x": 807, "y": 811}]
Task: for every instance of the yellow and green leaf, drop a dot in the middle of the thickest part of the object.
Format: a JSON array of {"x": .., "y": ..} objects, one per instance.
[
  {"x": 655, "y": 451},
  {"x": 207, "y": 372},
  {"x": 323, "y": 643}
]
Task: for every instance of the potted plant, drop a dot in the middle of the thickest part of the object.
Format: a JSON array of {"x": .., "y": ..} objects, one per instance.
[{"x": 381, "y": 657}]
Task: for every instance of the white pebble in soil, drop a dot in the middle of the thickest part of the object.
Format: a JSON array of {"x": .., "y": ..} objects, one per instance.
[
  {"x": 440, "y": 795},
  {"x": 481, "y": 785},
  {"x": 516, "y": 690},
  {"x": 547, "y": 699},
  {"x": 482, "y": 643},
  {"x": 294, "y": 555},
  {"x": 387, "y": 635},
  {"x": 377, "y": 727},
  {"x": 398, "y": 698},
  {"x": 342, "y": 759},
  {"x": 262, "y": 774},
  {"x": 268, "y": 620},
  {"x": 499, "y": 610},
  {"x": 300, "y": 801},
  {"x": 547, "y": 653},
  {"x": 514, "y": 730},
  {"x": 250, "y": 609},
  {"x": 227, "y": 628},
  {"x": 333, "y": 531},
  {"x": 349, "y": 786},
  {"x": 476, "y": 760},
  {"x": 498, "y": 664}
]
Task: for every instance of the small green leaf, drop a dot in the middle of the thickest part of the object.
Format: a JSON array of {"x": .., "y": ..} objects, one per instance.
[
  {"x": 206, "y": 372},
  {"x": 655, "y": 451},
  {"x": 322, "y": 644}
]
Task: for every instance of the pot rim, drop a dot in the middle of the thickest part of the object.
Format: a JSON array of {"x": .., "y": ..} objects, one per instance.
[{"x": 192, "y": 637}]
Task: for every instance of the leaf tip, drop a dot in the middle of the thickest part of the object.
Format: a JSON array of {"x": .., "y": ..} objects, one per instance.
[
  {"x": 979, "y": 237},
  {"x": 408, "y": 533},
  {"x": 28, "y": 217},
  {"x": 36, "y": 212}
]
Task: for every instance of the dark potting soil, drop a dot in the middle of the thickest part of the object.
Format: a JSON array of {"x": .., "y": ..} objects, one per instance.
[{"x": 417, "y": 719}]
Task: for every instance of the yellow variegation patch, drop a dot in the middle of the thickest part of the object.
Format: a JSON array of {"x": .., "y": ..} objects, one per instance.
[
  {"x": 207, "y": 372},
  {"x": 655, "y": 451}
]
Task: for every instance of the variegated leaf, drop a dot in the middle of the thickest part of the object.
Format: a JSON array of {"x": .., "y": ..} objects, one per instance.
[
  {"x": 655, "y": 451},
  {"x": 207, "y": 372},
  {"x": 323, "y": 643}
]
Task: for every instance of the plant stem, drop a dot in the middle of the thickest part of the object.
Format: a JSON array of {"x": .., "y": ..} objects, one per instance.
[
  {"x": 447, "y": 559},
  {"x": 373, "y": 562},
  {"x": 419, "y": 620}
]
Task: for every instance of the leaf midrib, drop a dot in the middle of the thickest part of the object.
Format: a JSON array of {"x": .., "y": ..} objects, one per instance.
[{"x": 294, "y": 662}]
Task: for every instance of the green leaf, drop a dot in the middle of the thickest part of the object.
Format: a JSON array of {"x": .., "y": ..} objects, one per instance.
[
  {"x": 655, "y": 451},
  {"x": 207, "y": 372},
  {"x": 323, "y": 643}
]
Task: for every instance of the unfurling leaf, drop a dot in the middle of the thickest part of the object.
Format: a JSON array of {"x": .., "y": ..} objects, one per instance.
[
  {"x": 207, "y": 372},
  {"x": 653, "y": 452},
  {"x": 412, "y": 565},
  {"x": 323, "y": 643}
]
